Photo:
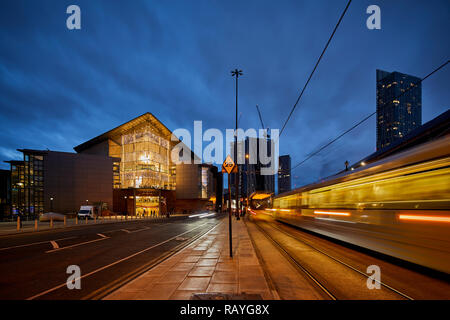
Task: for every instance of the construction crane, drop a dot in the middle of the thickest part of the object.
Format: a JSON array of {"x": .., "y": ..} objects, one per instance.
[{"x": 266, "y": 134}]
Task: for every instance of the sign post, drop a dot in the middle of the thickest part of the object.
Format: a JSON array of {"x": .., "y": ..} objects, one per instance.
[{"x": 229, "y": 166}]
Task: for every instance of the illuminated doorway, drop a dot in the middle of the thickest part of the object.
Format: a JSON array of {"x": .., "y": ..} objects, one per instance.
[{"x": 147, "y": 206}]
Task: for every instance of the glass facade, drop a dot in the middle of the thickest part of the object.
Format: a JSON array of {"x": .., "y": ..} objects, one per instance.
[
  {"x": 147, "y": 205},
  {"x": 145, "y": 160},
  {"x": 399, "y": 106},
  {"x": 204, "y": 182},
  {"x": 17, "y": 185},
  {"x": 27, "y": 185}
]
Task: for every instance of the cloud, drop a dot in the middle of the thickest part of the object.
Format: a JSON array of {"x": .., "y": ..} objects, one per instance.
[{"x": 59, "y": 88}]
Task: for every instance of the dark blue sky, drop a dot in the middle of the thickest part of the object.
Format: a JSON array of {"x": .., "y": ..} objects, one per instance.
[{"x": 59, "y": 88}]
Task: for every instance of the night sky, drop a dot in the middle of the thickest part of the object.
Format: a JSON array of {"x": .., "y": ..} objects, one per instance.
[{"x": 60, "y": 87}]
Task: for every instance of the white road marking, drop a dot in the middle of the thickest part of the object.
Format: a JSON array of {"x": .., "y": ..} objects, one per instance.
[
  {"x": 34, "y": 243},
  {"x": 75, "y": 245},
  {"x": 115, "y": 230},
  {"x": 114, "y": 263},
  {"x": 145, "y": 228},
  {"x": 54, "y": 244},
  {"x": 102, "y": 235},
  {"x": 125, "y": 230}
]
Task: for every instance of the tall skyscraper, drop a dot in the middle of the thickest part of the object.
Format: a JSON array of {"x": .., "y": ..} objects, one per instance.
[
  {"x": 251, "y": 176},
  {"x": 284, "y": 173},
  {"x": 398, "y": 111}
]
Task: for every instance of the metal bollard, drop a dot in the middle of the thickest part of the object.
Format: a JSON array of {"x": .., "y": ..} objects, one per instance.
[
  {"x": 86, "y": 220},
  {"x": 18, "y": 223},
  {"x": 95, "y": 219},
  {"x": 35, "y": 224},
  {"x": 76, "y": 219},
  {"x": 51, "y": 222},
  {"x": 65, "y": 221}
]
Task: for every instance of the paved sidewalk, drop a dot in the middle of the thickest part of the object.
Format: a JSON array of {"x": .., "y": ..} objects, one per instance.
[{"x": 203, "y": 267}]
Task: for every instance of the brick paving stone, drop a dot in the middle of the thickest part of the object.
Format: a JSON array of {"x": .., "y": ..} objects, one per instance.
[{"x": 204, "y": 266}]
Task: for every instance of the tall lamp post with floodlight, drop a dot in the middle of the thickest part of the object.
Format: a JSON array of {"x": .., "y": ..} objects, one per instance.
[{"x": 236, "y": 73}]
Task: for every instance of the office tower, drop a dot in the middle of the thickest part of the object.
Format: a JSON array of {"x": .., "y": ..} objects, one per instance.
[
  {"x": 252, "y": 175},
  {"x": 284, "y": 174},
  {"x": 399, "y": 106}
]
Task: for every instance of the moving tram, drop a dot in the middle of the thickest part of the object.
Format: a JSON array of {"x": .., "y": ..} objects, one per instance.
[{"x": 399, "y": 206}]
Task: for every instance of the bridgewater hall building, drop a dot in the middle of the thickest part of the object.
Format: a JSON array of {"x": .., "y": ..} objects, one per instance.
[
  {"x": 127, "y": 170},
  {"x": 145, "y": 183}
]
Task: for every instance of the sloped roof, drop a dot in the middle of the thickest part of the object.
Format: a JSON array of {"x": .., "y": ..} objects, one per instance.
[
  {"x": 123, "y": 128},
  {"x": 127, "y": 126}
]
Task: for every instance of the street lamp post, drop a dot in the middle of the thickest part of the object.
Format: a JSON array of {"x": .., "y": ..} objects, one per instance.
[
  {"x": 236, "y": 73},
  {"x": 247, "y": 163},
  {"x": 51, "y": 204}
]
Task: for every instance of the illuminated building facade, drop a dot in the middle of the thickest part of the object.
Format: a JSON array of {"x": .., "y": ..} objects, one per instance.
[
  {"x": 146, "y": 179},
  {"x": 399, "y": 110},
  {"x": 145, "y": 159}
]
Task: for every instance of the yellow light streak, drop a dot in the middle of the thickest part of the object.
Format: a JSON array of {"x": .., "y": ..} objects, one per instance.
[
  {"x": 333, "y": 213},
  {"x": 424, "y": 218}
]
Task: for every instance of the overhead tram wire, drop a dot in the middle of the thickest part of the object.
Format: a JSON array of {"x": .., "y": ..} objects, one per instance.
[
  {"x": 368, "y": 117},
  {"x": 315, "y": 67}
]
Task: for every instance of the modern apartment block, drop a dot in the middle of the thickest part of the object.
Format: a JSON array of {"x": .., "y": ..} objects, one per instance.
[{"x": 399, "y": 106}]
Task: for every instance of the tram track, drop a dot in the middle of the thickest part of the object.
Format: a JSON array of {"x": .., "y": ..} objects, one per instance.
[{"x": 331, "y": 287}]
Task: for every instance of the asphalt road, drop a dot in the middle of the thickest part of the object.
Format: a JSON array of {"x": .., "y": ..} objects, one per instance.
[{"x": 34, "y": 265}]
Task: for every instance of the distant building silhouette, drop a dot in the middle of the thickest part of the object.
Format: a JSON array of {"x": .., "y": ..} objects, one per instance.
[
  {"x": 397, "y": 116},
  {"x": 251, "y": 178},
  {"x": 284, "y": 174}
]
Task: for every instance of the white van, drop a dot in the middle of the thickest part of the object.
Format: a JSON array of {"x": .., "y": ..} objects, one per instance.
[{"x": 87, "y": 211}]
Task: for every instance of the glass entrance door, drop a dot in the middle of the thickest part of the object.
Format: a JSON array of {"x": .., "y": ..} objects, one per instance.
[{"x": 147, "y": 206}]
